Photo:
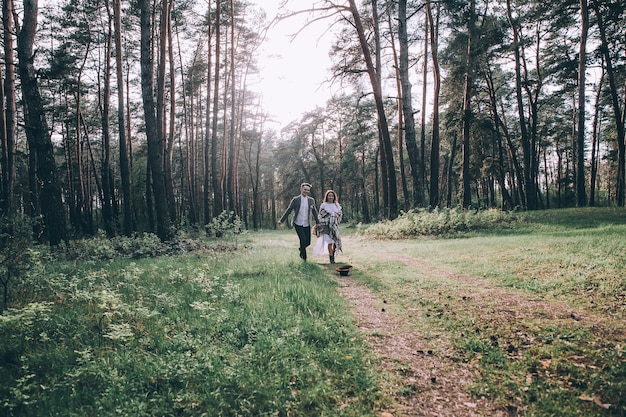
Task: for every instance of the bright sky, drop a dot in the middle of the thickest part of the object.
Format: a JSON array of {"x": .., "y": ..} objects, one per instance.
[{"x": 293, "y": 71}]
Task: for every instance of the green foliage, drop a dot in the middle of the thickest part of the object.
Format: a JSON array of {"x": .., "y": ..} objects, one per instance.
[
  {"x": 441, "y": 222},
  {"x": 18, "y": 253},
  {"x": 226, "y": 224},
  {"x": 146, "y": 245},
  {"x": 202, "y": 333}
]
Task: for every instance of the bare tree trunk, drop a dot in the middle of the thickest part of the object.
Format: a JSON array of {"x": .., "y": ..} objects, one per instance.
[
  {"x": 230, "y": 175},
  {"x": 467, "y": 107},
  {"x": 595, "y": 142},
  {"x": 79, "y": 200},
  {"x": 37, "y": 131},
  {"x": 169, "y": 175},
  {"x": 153, "y": 131},
  {"x": 407, "y": 108},
  {"x": 160, "y": 107},
  {"x": 507, "y": 202},
  {"x": 9, "y": 119},
  {"x": 215, "y": 173},
  {"x": 401, "y": 125},
  {"x": 528, "y": 183},
  {"x": 4, "y": 157},
  {"x": 451, "y": 171},
  {"x": 617, "y": 111},
  {"x": 108, "y": 186},
  {"x": 123, "y": 146},
  {"x": 581, "y": 197},
  {"x": 387, "y": 151},
  {"x": 435, "y": 141},
  {"x": 207, "y": 132},
  {"x": 422, "y": 147}
]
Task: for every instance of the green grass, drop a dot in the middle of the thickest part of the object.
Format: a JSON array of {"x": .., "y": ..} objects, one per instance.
[
  {"x": 218, "y": 334},
  {"x": 539, "y": 308},
  {"x": 534, "y": 302}
]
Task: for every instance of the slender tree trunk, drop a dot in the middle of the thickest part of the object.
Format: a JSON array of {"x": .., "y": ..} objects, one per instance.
[
  {"x": 531, "y": 195},
  {"x": 207, "y": 132},
  {"x": 516, "y": 170},
  {"x": 467, "y": 109},
  {"x": 450, "y": 175},
  {"x": 9, "y": 120},
  {"x": 407, "y": 108},
  {"x": 387, "y": 151},
  {"x": 108, "y": 186},
  {"x": 153, "y": 131},
  {"x": 123, "y": 146},
  {"x": 581, "y": 197},
  {"x": 91, "y": 164},
  {"x": 435, "y": 141},
  {"x": 401, "y": 125},
  {"x": 160, "y": 108},
  {"x": 545, "y": 176},
  {"x": 422, "y": 148},
  {"x": 169, "y": 148},
  {"x": 595, "y": 141},
  {"x": 230, "y": 176},
  {"x": 4, "y": 157},
  {"x": 37, "y": 131},
  {"x": 507, "y": 201},
  {"x": 215, "y": 173},
  {"x": 79, "y": 169},
  {"x": 617, "y": 111}
]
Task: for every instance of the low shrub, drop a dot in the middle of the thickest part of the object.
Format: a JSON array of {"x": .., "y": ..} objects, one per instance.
[
  {"x": 226, "y": 224},
  {"x": 441, "y": 222},
  {"x": 18, "y": 254}
]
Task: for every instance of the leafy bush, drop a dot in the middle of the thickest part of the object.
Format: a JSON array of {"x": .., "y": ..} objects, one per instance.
[
  {"x": 102, "y": 248},
  {"x": 17, "y": 252},
  {"x": 146, "y": 245},
  {"x": 441, "y": 222},
  {"x": 227, "y": 223}
]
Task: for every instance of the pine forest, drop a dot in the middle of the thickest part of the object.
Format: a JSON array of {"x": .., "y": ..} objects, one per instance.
[{"x": 142, "y": 116}]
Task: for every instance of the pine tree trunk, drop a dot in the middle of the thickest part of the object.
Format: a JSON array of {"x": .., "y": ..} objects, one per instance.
[
  {"x": 108, "y": 186},
  {"x": 385, "y": 138},
  {"x": 528, "y": 183},
  {"x": 37, "y": 134},
  {"x": 215, "y": 173},
  {"x": 617, "y": 111},
  {"x": 595, "y": 142},
  {"x": 467, "y": 109},
  {"x": 10, "y": 111},
  {"x": 435, "y": 141},
  {"x": 407, "y": 108},
  {"x": 123, "y": 146},
  {"x": 153, "y": 132},
  {"x": 581, "y": 197}
]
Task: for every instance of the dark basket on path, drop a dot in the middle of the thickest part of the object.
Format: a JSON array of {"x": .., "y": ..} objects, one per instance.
[{"x": 344, "y": 270}]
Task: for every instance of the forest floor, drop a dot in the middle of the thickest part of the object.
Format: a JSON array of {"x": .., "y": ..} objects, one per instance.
[
  {"x": 426, "y": 375},
  {"x": 438, "y": 382}
]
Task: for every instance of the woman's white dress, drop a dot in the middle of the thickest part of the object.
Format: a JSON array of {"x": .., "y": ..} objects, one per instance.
[{"x": 334, "y": 212}]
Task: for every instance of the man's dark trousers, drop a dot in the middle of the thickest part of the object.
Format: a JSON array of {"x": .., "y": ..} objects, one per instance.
[{"x": 304, "y": 235}]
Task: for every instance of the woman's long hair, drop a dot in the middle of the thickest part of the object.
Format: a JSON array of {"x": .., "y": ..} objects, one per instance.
[{"x": 333, "y": 193}]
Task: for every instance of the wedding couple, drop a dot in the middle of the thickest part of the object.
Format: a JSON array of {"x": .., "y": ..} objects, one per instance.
[{"x": 326, "y": 221}]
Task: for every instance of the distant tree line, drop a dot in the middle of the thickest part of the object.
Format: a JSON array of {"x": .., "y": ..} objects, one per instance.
[{"x": 131, "y": 116}]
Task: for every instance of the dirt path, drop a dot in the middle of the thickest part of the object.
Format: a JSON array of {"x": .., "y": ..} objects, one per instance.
[
  {"x": 434, "y": 383},
  {"x": 427, "y": 377}
]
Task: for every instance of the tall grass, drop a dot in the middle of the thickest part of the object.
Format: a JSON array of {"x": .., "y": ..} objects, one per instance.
[{"x": 211, "y": 333}]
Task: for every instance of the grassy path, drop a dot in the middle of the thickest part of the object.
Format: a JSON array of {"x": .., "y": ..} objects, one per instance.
[{"x": 458, "y": 333}]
